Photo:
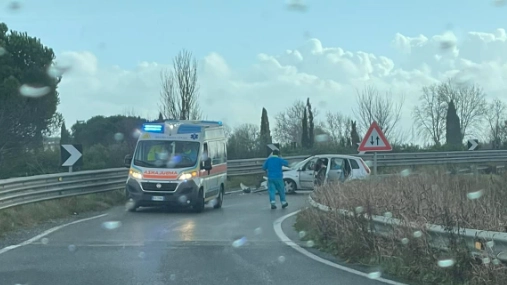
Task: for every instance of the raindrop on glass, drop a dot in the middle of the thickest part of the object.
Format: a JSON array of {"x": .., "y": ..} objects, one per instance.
[
  {"x": 118, "y": 137},
  {"x": 14, "y": 6},
  {"x": 2, "y": 51},
  {"x": 359, "y": 209},
  {"x": 142, "y": 255},
  {"x": 281, "y": 259},
  {"x": 258, "y": 231},
  {"x": 310, "y": 243},
  {"x": 183, "y": 199},
  {"x": 374, "y": 275},
  {"x": 322, "y": 138},
  {"x": 44, "y": 241},
  {"x": 417, "y": 234},
  {"x": 136, "y": 134},
  {"x": 239, "y": 242},
  {"x": 302, "y": 234},
  {"x": 34, "y": 92},
  {"x": 388, "y": 215},
  {"x": 111, "y": 225},
  {"x": 475, "y": 195},
  {"x": 404, "y": 240},
  {"x": 446, "y": 263},
  {"x": 72, "y": 248},
  {"x": 486, "y": 260},
  {"x": 490, "y": 244},
  {"x": 405, "y": 172},
  {"x": 496, "y": 261},
  {"x": 172, "y": 277}
]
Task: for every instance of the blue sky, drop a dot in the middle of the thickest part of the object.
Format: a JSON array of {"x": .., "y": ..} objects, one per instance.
[{"x": 126, "y": 32}]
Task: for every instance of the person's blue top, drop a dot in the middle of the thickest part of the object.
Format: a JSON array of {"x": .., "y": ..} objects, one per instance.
[{"x": 274, "y": 167}]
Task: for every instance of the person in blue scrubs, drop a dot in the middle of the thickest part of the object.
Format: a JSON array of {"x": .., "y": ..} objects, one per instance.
[{"x": 273, "y": 165}]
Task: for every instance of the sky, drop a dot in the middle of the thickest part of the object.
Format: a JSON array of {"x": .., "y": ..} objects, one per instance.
[{"x": 255, "y": 54}]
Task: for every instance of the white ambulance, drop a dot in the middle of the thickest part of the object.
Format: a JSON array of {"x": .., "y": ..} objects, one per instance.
[{"x": 178, "y": 163}]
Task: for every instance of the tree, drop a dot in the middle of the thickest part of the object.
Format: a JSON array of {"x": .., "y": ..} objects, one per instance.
[
  {"x": 453, "y": 134},
  {"x": 64, "y": 135},
  {"x": 243, "y": 142},
  {"x": 311, "y": 124},
  {"x": 470, "y": 103},
  {"x": 180, "y": 90},
  {"x": 385, "y": 110},
  {"x": 160, "y": 117},
  {"x": 338, "y": 127},
  {"x": 265, "y": 133},
  {"x": 354, "y": 135},
  {"x": 430, "y": 114},
  {"x": 288, "y": 127},
  {"x": 304, "y": 128},
  {"x": 28, "y": 96},
  {"x": 496, "y": 117}
]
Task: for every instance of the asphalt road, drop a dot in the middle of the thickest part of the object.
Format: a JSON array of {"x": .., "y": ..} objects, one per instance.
[{"x": 233, "y": 245}]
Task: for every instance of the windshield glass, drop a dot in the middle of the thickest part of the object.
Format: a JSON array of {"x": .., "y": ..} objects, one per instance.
[{"x": 166, "y": 154}]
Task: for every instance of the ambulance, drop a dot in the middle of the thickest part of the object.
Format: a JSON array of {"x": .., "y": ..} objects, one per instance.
[{"x": 178, "y": 163}]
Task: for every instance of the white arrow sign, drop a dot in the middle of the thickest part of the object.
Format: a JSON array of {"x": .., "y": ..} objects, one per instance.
[
  {"x": 473, "y": 144},
  {"x": 74, "y": 155},
  {"x": 272, "y": 146}
]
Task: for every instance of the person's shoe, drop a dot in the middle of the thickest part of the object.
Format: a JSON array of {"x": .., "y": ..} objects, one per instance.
[
  {"x": 284, "y": 205},
  {"x": 273, "y": 206}
]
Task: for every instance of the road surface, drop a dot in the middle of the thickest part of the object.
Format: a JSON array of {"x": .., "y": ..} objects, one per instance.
[{"x": 233, "y": 245}]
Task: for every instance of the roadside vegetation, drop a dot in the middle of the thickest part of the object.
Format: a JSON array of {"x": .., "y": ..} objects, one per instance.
[
  {"x": 27, "y": 216},
  {"x": 454, "y": 201}
]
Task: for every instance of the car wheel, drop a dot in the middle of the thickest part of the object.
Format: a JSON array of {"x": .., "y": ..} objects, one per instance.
[{"x": 290, "y": 186}]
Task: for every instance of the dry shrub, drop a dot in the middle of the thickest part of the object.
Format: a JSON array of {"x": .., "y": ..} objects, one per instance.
[{"x": 455, "y": 201}]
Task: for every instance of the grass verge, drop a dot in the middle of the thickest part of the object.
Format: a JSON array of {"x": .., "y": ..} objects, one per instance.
[
  {"x": 453, "y": 201},
  {"x": 30, "y": 215}
]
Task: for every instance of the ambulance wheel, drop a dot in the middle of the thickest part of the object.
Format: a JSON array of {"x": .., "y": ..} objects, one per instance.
[
  {"x": 199, "y": 204},
  {"x": 220, "y": 198}
]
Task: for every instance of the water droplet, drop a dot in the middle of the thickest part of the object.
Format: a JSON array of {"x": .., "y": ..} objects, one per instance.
[
  {"x": 2, "y": 51},
  {"x": 239, "y": 242},
  {"x": 302, "y": 234},
  {"x": 486, "y": 260},
  {"x": 405, "y": 172},
  {"x": 490, "y": 244},
  {"x": 281, "y": 259},
  {"x": 475, "y": 195},
  {"x": 44, "y": 241},
  {"x": 310, "y": 243},
  {"x": 359, "y": 209},
  {"x": 72, "y": 248},
  {"x": 405, "y": 240},
  {"x": 14, "y": 6},
  {"x": 34, "y": 92},
  {"x": 111, "y": 225},
  {"x": 142, "y": 255},
  {"x": 496, "y": 261},
  {"x": 136, "y": 134},
  {"x": 172, "y": 277},
  {"x": 183, "y": 199},
  {"x": 258, "y": 231},
  {"x": 56, "y": 71},
  {"x": 446, "y": 262},
  {"x": 118, "y": 137},
  {"x": 418, "y": 234},
  {"x": 388, "y": 215},
  {"x": 130, "y": 205},
  {"x": 374, "y": 275},
  {"x": 322, "y": 138}
]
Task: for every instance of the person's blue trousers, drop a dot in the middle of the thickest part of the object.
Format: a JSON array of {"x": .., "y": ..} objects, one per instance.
[{"x": 275, "y": 185}]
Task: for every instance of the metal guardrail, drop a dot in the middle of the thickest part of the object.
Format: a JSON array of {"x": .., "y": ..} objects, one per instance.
[
  {"x": 488, "y": 244},
  {"x": 24, "y": 190}
]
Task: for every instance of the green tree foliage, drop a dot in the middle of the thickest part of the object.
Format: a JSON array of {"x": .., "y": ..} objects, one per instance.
[
  {"x": 265, "y": 133},
  {"x": 304, "y": 133},
  {"x": 453, "y": 136},
  {"x": 28, "y": 99},
  {"x": 311, "y": 124},
  {"x": 65, "y": 137}
]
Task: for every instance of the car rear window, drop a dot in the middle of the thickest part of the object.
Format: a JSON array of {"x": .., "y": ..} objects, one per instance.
[{"x": 354, "y": 164}]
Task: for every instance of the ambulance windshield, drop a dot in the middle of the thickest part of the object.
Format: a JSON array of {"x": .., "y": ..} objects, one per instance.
[{"x": 166, "y": 154}]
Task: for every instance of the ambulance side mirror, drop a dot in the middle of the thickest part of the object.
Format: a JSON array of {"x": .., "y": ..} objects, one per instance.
[{"x": 127, "y": 160}]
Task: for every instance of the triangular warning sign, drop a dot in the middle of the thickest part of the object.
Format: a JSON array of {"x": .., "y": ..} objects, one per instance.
[{"x": 374, "y": 140}]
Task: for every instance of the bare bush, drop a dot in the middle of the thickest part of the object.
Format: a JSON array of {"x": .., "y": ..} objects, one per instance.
[{"x": 456, "y": 202}]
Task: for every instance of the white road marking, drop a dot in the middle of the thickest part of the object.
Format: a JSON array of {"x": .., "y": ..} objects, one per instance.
[
  {"x": 277, "y": 225},
  {"x": 36, "y": 238}
]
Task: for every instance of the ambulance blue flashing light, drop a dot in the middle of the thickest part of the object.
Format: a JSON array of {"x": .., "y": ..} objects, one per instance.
[
  {"x": 153, "y": 128},
  {"x": 197, "y": 122}
]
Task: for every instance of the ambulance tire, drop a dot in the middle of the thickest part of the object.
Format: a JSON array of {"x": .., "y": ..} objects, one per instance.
[
  {"x": 199, "y": 205},
  {"x": 220, "y": 198}
]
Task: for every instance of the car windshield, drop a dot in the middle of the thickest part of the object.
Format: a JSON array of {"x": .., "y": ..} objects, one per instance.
[
  {"x": 166, "y": 154},
  {"x": 298, "y": 164}
]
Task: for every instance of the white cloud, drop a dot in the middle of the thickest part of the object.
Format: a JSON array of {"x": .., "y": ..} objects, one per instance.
[{"x": 328, "y": 75}]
